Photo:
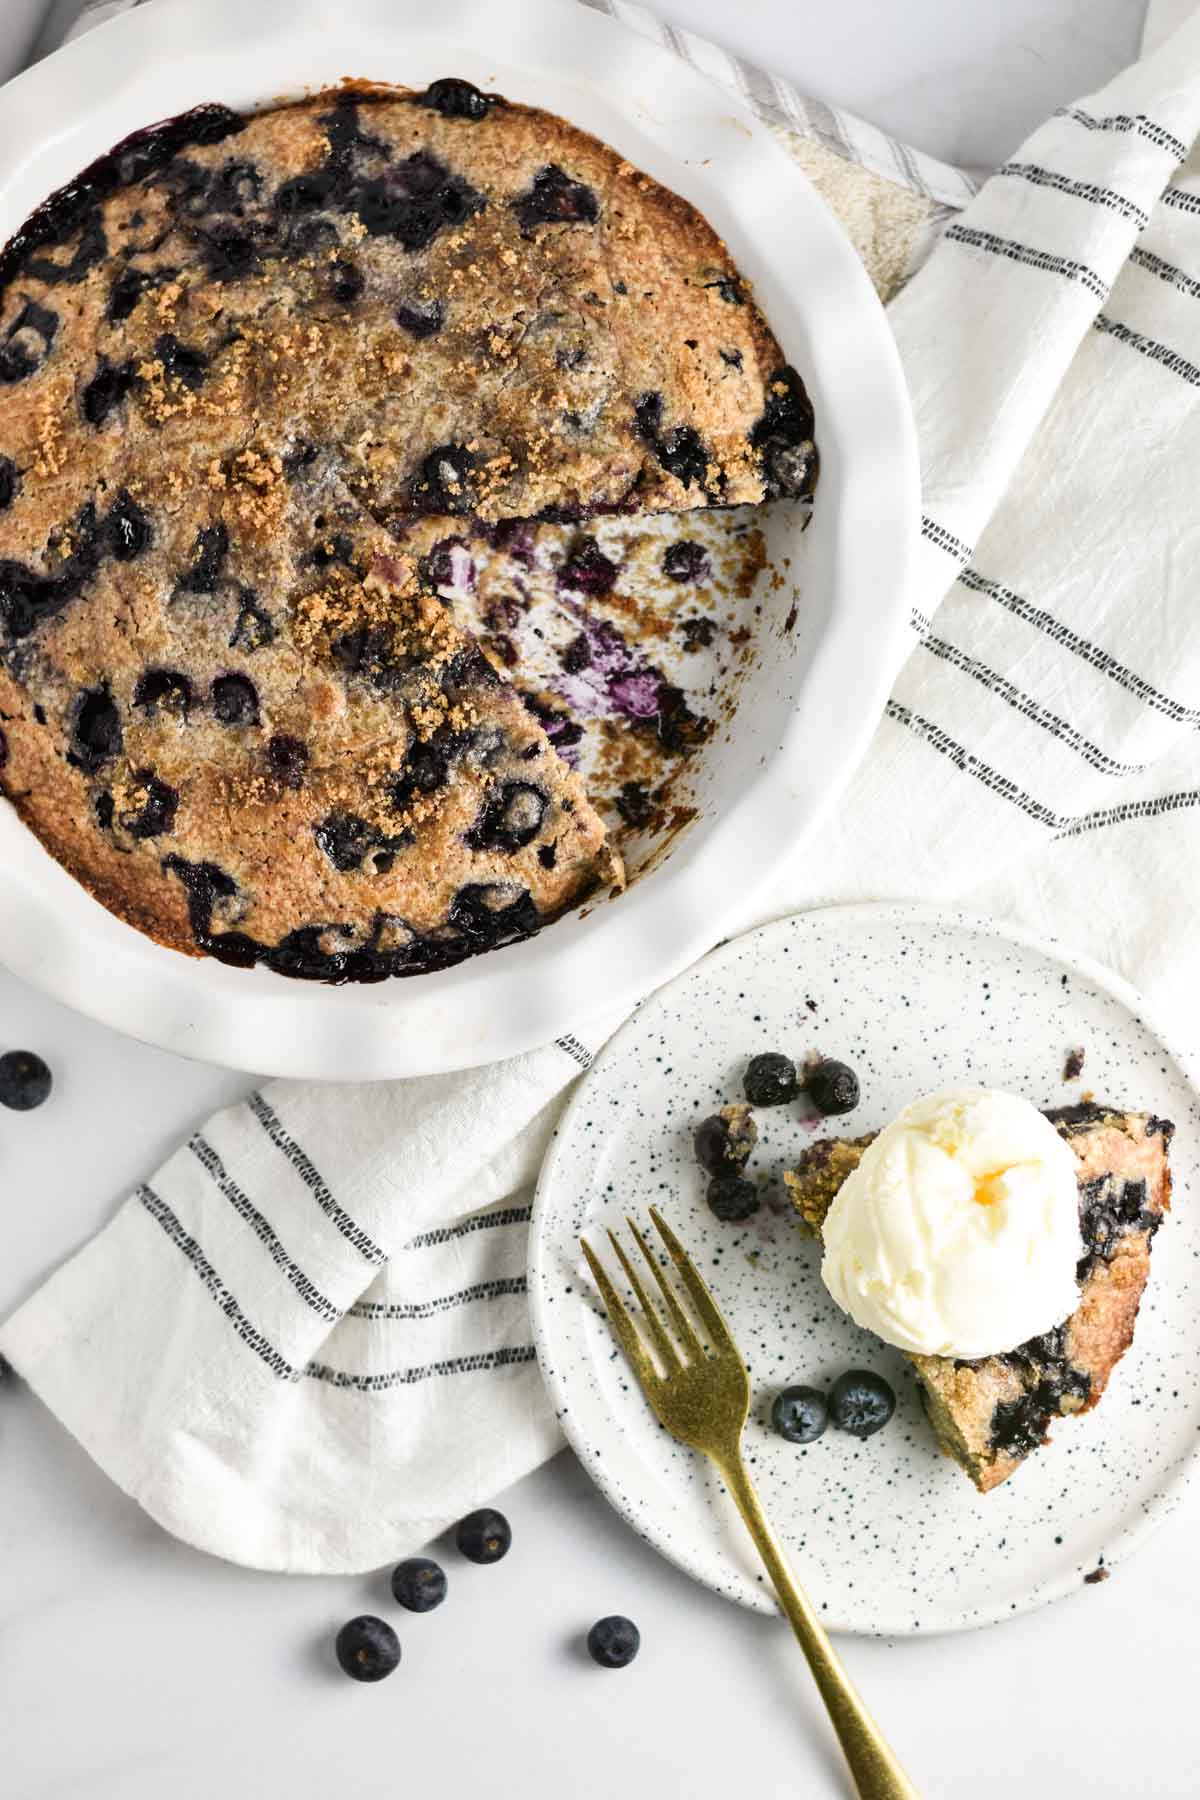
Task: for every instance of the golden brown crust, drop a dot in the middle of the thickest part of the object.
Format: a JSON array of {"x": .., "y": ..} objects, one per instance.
[{"x": 233, "y": 387}]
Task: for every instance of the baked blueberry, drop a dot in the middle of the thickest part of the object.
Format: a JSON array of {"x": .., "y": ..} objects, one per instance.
[
  {"x": 613, "y": 1642},
  {"x": 208, "y": 557},
  {"x": 230, "y": 254},
  {"x": 457, "y": 99},
  {"x": 288, "y": 758},
  {"x": 419, "y": 1584},
  {"x": 683, "y": 455},
  {"x": 861, "y": 1402},
  {"x": 235, "y": 700},
  {"x": 555, "y": 199},
  {"x": 588, "y": 571},
  {"x": 731, "y": 1198},
  {"x": 346, "y": 281},
  {"x": 426, "y": 769},
  {"x": 443, "y": 483},
  {"x": 832, "y": 1087},
  {"x": 771, "y": 1079},
  {"x": 180, "y": 362},
  {"x": 25, "y": 1080},
  {"x": 484, "y": 1536},
  {"x": 728, "y": 289},
  {"x": 126, "y": 528},
  {"x": 723, "y": 1142},
  {"x": 510, "y": 819},
  {"x": 3, "y": 748},
  {"x": 345, "y": 839},
  {"x": 784, "y": 436},
  {"x": 166, "y": 689},
  {"x": 253, "y": 628},
  {"x": 800, "y": 1414},
  {"x": 126, "y": 291},
  {"x": 367, "y": 1648},
  {"x": 105, "y": 391},
  {"x": 686, "y": 561},
  {"x": 95, "y": 730},
  {"x": 423, "y": 320},
  {"x": 27, "y": 343},
  {"x": 487, "y": 915},
  {"x": 155, "y": 814}
]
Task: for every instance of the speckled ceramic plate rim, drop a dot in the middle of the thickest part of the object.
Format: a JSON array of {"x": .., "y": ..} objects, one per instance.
[
  {"x": 158, "y": 60},
  {"x": 548, "y": 1334}
]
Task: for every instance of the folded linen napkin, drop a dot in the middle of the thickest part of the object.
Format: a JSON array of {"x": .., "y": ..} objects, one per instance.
[{"x": 303, "y": 1343}]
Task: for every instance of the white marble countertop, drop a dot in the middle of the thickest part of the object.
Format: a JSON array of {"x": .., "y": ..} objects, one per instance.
[{"x": 131, "y": 1667}]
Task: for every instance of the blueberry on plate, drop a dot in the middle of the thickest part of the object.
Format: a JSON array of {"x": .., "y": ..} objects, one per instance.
[
  {"x": 613, "y": 1642},
  {"x": 861, "y": 1402},
  {"x": 800, "y": 1414},
  {"x": 832, "y": 1087},
  {"x": 724, "y": 1142},
  {"x": 367, "y": 1648},
  {"x": 484, "y": 1536},
  {"x": 731, "y": 1198},
  {"x": 419, "y": 1584},
  {"x": 771, "y": 1079},
  {"x": 25, "y": 1081}
]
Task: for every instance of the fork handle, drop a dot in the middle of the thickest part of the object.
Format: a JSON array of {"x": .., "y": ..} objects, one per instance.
[{"x": 877, "y": 1774}]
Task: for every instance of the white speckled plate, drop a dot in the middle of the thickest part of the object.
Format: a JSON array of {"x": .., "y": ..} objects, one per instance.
[{"x": 888, "y": 1535}]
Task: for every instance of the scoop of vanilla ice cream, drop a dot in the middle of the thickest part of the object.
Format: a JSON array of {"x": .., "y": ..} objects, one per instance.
[{"x": 958, "y": 1232}]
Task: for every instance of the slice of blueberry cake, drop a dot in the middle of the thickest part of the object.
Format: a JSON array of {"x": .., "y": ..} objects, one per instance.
[
  {"x": 989, "y": 1415},
  {"x": 245, "y": 363}
]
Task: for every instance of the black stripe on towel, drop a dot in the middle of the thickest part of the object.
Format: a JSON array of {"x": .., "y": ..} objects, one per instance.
[
  {"x": 208, "y": 1159},
  {"x": 1033, "y": 259},
  {"x": 1155, "y": 265},
  {"x": 426, "y": 1309},
  {"x": 249, "y": 1334},
  {"x": 1137, "y": 123},
  {"x": 288, "y": 1147},
  {"x": 442, "y": 1234},
  {"x": 1079, "y": 646},
  {"x": 941, "y": 539},
  {"x": 1077, "y": 190},
  {"x": 1145, "y": 346},
  {"x": 451, "y": 1365},
  {"x": 1132, "y": 809},
  {"x": 1182, "y": 199},
  {"x": 1029, "y": 708}
]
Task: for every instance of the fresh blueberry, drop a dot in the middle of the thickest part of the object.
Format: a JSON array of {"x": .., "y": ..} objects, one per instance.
[
  {"x": 724, "y": 1142},
  {"x": 861, "y": 1402},
  {"x": 771, "y": 1079},
  {"x": 800, "y": 1414},
  {"x": 419, "y": 1584},
  {"x": 686, "y": 561},
  {"x": 235, "y": 700},
  {"x": 25, "y": 1081},
  {"x": 163, "y": 688},
  {"x": 613, "y": 1642},
  {"x": 832, "y": 1087},
  {"x": 484, "y": 1536},
  {"x": 731, "y": 1198},
  {"x": 555, "y": 199},
  {"x": 288, "y": 758},
  {"x": 367, "y": 1648},
  {"x": 457, "y": 99}
]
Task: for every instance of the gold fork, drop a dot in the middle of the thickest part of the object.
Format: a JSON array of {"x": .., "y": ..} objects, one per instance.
[{"x": 701, "y": 1394}]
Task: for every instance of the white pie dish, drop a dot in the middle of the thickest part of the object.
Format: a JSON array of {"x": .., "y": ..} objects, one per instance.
[{"x": 812, "y": 697}]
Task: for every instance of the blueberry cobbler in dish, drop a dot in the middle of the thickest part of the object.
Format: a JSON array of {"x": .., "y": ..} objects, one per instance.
[{"x": 263, "y": 381}]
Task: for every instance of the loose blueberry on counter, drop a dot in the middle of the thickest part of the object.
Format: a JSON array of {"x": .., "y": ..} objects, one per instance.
[
  {"x": 25, "y": 1081},
  {"x": 484, "y": 1536},
  {"x": 419, "y": 1584},
  {"x": 724, "y": 1141},
  {"x": 771, "y": 1079},
  {"x": 732, "y": 1199},
  {"x": 800, "y": 1414},
  {"x": 861, "y": 1403},
  {"x": 614, "y": 1642},
  {"x": 832, "y": 1087},
  {"x": 367, "y": 1648}
]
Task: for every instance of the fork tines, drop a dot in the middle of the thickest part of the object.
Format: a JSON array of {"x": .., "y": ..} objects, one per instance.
[{"x": 673, "y": 1351}]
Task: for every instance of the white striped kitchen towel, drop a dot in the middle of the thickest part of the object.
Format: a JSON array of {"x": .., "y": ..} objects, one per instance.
[{"x": 303, "y": 1343}]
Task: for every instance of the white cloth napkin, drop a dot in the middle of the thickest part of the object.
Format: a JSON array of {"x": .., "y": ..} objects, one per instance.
[{"x": 302, "y": 1344}]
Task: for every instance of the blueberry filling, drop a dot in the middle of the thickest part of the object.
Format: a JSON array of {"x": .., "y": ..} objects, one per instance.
[
  {"x": 235, "y": 700},
  {"x": 555, "y": 199},
  {"x": 105, "y": 391},
  {"x": 457, "y": 99},
  {"x": 510, "y": 818},
  {"x": 27, "y": 343},
  {"x": 208, "y": 558},
  {"x": 95, "y": 731},
  {"x": 126, "y": 528},
  {"x": 163, "y": 690}
]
